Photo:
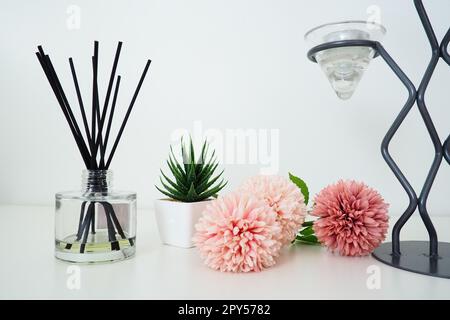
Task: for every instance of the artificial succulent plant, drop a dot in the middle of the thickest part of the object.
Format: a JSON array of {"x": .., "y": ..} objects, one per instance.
[{"x": 193, "y": 180}]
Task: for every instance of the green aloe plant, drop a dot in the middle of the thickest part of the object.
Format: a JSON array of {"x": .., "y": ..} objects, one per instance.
[{"x": 193, "y": 180}]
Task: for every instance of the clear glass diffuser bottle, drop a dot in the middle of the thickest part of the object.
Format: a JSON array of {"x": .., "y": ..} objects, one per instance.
[{"x": 95, "y": 224}]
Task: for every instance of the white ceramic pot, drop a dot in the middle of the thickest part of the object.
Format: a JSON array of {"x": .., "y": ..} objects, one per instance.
[{"x": 176, "y": 221}]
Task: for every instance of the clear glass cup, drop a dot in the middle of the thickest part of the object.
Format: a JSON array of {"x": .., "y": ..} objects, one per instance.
[
  {"x": 97, "y": 223},
  {"x": 345, "y": 30},
  {"x": 344, "y": 66}
]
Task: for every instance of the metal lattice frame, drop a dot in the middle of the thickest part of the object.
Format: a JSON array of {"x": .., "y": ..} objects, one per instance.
[{"x": 410, "y": 255}]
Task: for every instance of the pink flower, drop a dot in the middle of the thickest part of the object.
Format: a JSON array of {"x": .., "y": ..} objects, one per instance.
[
  {"x": 284, "y": 197},
  {"x": 352, "y": 218},
  {"x": 238, "y": 233}
]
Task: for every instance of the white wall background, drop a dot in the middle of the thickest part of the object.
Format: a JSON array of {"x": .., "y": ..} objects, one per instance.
[{"x": 229, "y": 64}]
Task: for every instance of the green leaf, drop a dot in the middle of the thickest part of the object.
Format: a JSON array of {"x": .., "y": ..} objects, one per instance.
[
  {"x": 203, "y": 153},
  {"x": 180, "y": 181},
  {"x": 192, "y": 153},
  {"x": 170, "y": 195},
  {"x": 191, "y": 174},
  {"x": 307, "y": 231},
  {"x": 308, "y": 224},
  {"x": 192, "y": 194},
  {"x": 178, "y": 187},
  {"x": 176, "y": 163},
  {"x": 310, "y": 238},
  {"x": 171, "y": 190},
  {"x": 207, "y": 173},
  {"x": 208, "y": 183},
  {"x": 207, "y": 167},
  {"x": 302, "y": 185},
  {"x": 179, "y": 176},
  {"x": 213, "y": 191},
  {"x": 201, "y": 160},
  {"x": 185, "y": 157},
  {"x": 309, "y": 243},
  {"x": 205, "y": 178}
]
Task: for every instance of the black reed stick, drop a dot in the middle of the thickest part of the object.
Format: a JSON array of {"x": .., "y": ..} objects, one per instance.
[
  {"x": 108, "y": 128},
  {"x": 112, "y": 234},
  {"x": 84, "y": 225},
  {"x": 68, "y": 109},
  {"x": 61, "y": 103},
  {"x": 88, "y": 219},
  {"x": 97, "y": 109},
  {"x": 94, "y": 99},
  {"x": 93, "y": 223},
  {"x": 63, "y": 96},
  {"x": 108, "y": 206},
  {"x": 80, "y": 222},
  {"x": 80, "y": 102},
  {"x": 128, "y": 114},
  {"x": 108, "y": 94}
]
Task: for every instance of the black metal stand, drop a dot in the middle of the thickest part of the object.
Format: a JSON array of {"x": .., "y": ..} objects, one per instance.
[{"x": 425, "y": 257}]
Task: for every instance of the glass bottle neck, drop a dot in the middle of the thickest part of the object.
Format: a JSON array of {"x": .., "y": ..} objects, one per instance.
[{"x": 96, "y": 180}]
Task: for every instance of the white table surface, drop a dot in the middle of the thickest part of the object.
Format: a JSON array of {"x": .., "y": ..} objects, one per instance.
[{"x": 28, "y": 269}]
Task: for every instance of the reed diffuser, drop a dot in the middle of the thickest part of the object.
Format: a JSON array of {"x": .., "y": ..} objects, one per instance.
[{"x": 97, "y": 223}]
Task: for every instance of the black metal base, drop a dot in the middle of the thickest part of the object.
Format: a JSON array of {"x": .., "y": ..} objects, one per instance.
[{"x": 415, "y": 258}]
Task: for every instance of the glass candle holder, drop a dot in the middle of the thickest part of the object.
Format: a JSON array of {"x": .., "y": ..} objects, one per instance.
[
  {"x": 345, "y": 66},
  {"x": 97, "y": 223}
]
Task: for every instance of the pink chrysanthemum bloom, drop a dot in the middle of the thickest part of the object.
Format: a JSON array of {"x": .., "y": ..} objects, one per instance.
[
  {"x": 284, "y": 197},
  {"x": 238, "y": 233},
  {"x": 352, "y": 220}
]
